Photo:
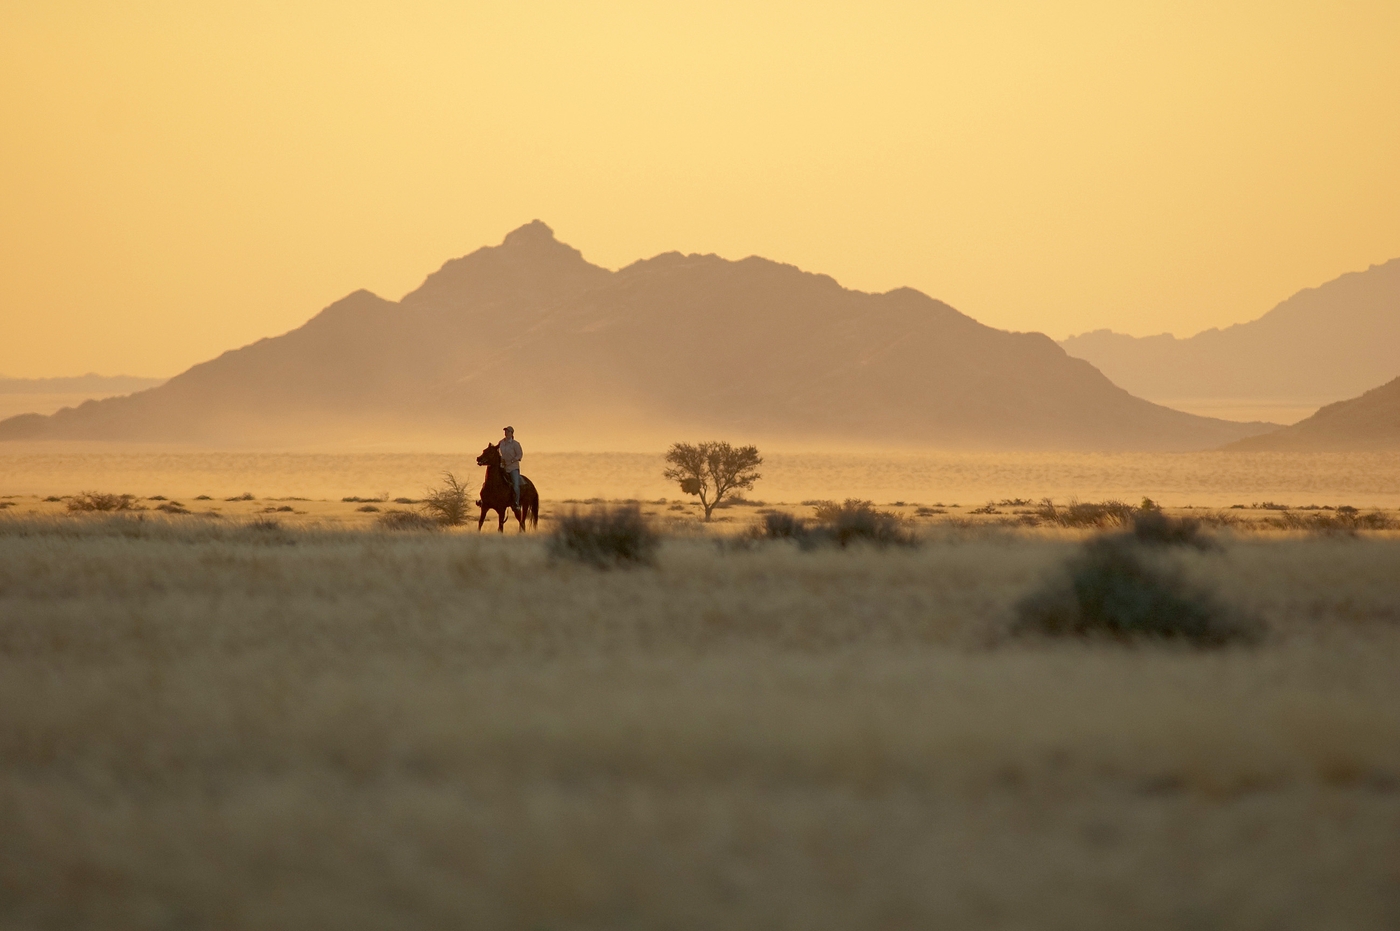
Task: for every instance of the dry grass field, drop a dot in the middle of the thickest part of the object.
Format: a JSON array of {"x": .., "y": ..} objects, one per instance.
[{"x": 210, "y": 724}]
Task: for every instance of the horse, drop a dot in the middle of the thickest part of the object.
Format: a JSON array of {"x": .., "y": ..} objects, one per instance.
[{"x": 498, "y": 494}]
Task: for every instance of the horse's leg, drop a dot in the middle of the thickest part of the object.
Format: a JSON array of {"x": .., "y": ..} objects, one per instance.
[
  {"x": 482, "y": 519},
  {"x": 501, "y": 511}
]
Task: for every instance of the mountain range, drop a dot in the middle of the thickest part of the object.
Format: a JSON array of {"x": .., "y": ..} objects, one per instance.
[
  {"x": 1321, "y": 345},
  {"x": 668, "y": 348}
]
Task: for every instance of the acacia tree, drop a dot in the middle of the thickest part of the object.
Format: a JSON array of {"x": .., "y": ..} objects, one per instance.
[{"x": 711, "y": 471}]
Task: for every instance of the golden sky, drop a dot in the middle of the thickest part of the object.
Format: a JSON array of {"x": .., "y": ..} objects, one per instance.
[{"x": 179, "y": 178}]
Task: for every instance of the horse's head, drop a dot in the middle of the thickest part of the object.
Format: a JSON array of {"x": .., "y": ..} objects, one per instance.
[{"x": 490, "y": 456}]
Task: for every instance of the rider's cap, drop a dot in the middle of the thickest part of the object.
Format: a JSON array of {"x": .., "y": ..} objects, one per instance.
[{"x": 510, "y": 429}]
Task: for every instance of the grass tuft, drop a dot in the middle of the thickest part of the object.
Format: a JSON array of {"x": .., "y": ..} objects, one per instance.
[{"x": 1086, "y": 514}]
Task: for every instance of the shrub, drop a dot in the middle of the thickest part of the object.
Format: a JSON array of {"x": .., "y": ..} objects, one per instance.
[
  {"x": 172, "y": 507},
  {"x": 856, "y": 521},
  {"x": 98, "y": 501},
  {"x": 605, "y": 537},
  {"x": 1152, "y": 527},
  {"x": 246, "y": 496},
  {"x": 1109, "y": 588},
  {"x": 398, "y": 519},
  {"x": 780, "y": 525},
  {"x": 448, "y": 504},
  {"x": 368, "y": 508}
]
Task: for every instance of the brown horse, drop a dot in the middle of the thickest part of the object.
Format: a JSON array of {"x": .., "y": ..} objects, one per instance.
[{"x": 497, "y": 493}]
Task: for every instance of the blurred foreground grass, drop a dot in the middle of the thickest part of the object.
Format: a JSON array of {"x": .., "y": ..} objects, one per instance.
[{"x": 210, "y": 725}]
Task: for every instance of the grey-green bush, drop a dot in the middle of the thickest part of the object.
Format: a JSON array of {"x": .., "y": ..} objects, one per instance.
[
  {"x": 605, "y": 537},
  {"x": 1115, "y": 586},
  {"x": 856, "y": 521}
]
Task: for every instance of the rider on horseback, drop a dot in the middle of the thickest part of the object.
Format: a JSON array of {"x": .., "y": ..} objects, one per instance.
[{"x": 511, "y": 454}]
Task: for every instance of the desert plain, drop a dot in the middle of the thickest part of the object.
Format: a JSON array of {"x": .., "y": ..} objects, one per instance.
[{"x": 271, "y": 713}]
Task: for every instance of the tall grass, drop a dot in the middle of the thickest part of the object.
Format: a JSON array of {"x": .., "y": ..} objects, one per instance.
[{"x": 199, "y": 728}]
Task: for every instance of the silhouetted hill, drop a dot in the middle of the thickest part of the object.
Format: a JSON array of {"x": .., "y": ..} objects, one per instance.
[
  {"x": 1368, "y": 423},
  {"x": 1320, "y": 345},
  {"x": 670, "y": 347}
]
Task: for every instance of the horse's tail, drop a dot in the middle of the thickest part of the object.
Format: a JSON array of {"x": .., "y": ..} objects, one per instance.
[{"x": 535, "y": 513}]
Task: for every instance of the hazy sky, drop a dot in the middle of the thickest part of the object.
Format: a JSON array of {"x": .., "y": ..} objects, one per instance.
[{"x": 179, "y": 178}]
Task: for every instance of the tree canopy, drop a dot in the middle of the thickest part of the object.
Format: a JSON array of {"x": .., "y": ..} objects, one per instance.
[{"x": 712, "y": 471}]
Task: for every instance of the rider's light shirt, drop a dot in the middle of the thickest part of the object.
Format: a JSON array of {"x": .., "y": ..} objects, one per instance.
[{"x": 511, "y": 454}]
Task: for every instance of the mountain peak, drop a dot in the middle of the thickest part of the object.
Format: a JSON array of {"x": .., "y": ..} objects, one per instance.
[
  {"x": 528, "y": 261},
  {"x": 534, "y": 233}
]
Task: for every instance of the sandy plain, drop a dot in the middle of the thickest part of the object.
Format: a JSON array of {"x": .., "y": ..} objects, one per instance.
[
  {"x": 878, "y": 473},
  {"x": 209, "y": 723}
]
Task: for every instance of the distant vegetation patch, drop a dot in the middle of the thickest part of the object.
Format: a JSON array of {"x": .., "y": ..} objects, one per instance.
[
  {"x": 850, "y": 522},
  {"x": 605, "y": 537},
  {"x": 1085, "y": 514},
  {"x": 1344, "y": 520},
  {"x": 101, "y": 501},
  {"x": 399, "y": 519}
]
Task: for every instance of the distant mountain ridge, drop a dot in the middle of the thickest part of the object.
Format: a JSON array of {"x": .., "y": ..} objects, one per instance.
[
  {"x": 1321, "y": 345},
  {"x": 670, "y": 347},
  {"x": 77, "y": 384},
  {"x": 1370, "y": 423}
]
